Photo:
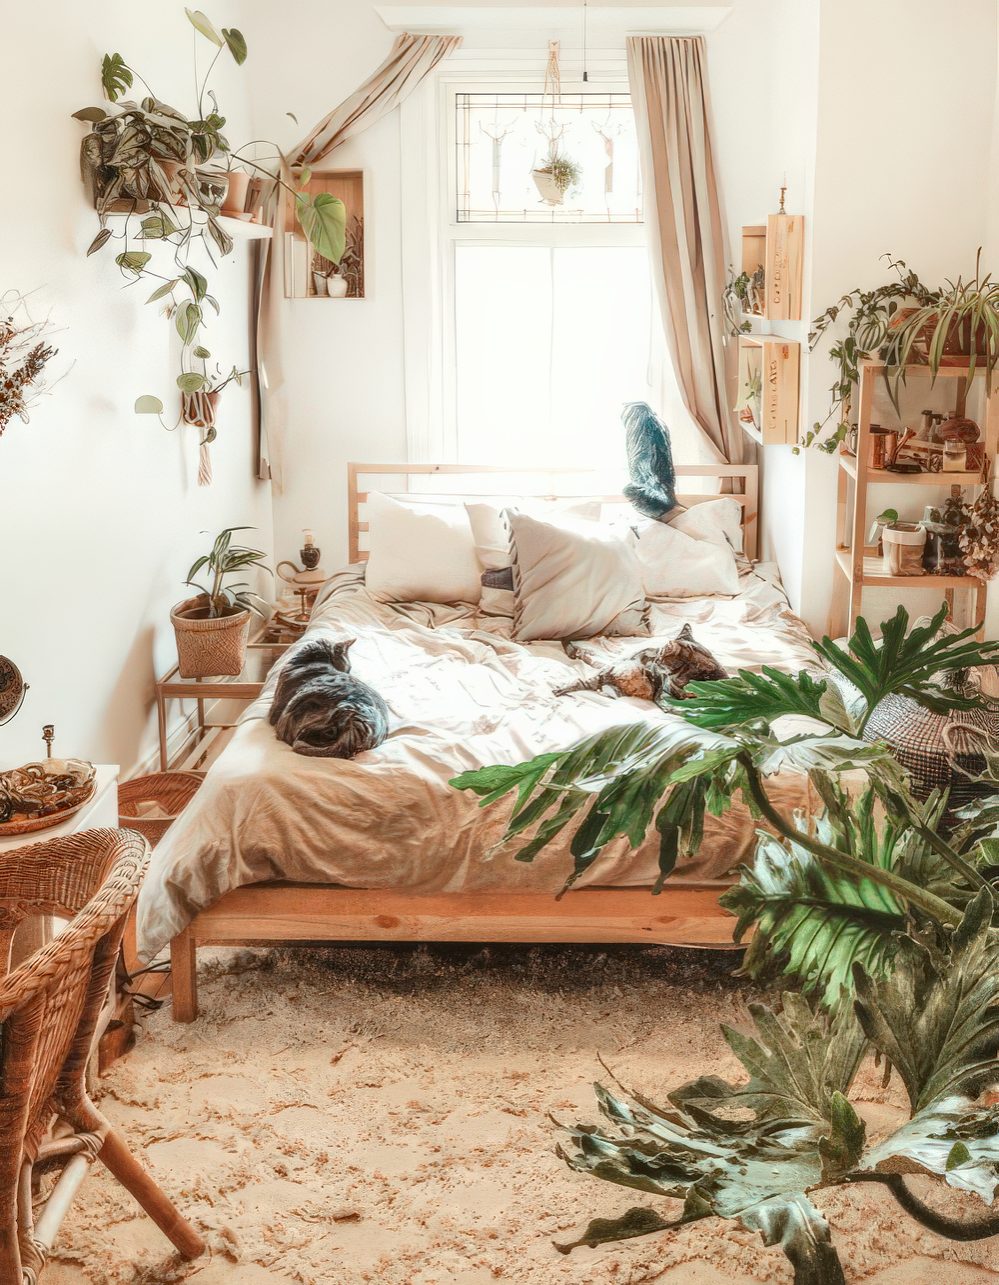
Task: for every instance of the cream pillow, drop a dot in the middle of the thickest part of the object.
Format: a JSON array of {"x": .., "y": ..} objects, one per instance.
[
  {"x": 675, "y": 565},
  {"x": 719, "y": 521},
  {"x": 420, "y": 552},
  {"x": 574, "y": 581}
]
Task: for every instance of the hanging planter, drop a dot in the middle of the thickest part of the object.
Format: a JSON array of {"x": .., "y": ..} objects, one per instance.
[
  {"x": 555, "y": 178},
  {"x": 557, "y": 173}
]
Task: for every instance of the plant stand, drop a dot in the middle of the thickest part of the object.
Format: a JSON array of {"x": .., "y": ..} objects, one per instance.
[{"x": 858, "y": 565}]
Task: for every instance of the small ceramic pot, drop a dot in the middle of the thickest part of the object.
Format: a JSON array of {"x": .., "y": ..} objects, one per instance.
[
  {"x": 235, "y": 197},
  {"x": 336, "y": 287},
  {"x": 319, "y": 286}
]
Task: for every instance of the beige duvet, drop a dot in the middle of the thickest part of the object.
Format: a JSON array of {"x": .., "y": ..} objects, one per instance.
[{"x": 461, "y": 694}]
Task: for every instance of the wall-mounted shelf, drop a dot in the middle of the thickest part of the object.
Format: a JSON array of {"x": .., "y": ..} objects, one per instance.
[
  {"x": 778, "y": 247},
  {"x": 860, "y": 564},
  {"x": 238, "y": 229},
  {"x": 777, "y": 362},
  {"x": 300, "y": 260}
]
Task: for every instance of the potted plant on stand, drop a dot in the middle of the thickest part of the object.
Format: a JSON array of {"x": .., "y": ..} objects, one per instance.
[{"x": 212, "y": 627}]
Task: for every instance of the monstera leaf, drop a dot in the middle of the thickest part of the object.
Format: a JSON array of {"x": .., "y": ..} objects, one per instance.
[
  {"x": 770, "y": 694},
  {"x": 749, "y": 1152},
  {"x": 754, "y": 1152}
]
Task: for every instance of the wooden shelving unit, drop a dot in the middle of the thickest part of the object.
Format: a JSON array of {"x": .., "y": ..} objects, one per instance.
[
  {"x": 857, "y": 564},
  {"x": 778, "y": 247},
  {"x": 238, "y": 229},
  {"x": 777, "y": 361},
  {"x": 346, "y": 186}
]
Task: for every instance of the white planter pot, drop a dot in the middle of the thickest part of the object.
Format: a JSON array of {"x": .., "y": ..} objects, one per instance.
[
  {"x": 903, "y": 549},
  {"x": 336, "y": 287},
  {"x": 548, "y": 189},
  {"x": 318, "y": 284}
]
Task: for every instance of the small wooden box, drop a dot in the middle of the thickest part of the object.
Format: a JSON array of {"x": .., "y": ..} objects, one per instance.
[
  {"x": 784, "y": 255},
  {"x": 778, "y": 361}
]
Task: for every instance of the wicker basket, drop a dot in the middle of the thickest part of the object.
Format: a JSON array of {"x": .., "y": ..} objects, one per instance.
[
  {"x": 209, "y": 648},
  {"x": 173, "y": 791}
]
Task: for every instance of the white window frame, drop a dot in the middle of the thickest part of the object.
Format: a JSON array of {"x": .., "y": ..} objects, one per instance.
[{"x": 431, "y": 231}]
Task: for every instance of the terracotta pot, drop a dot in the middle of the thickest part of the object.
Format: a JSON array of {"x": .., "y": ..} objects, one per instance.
[
  {"x": 199, "y": 409},
  {"x": 235, "y": 198},
  {"x": 209, "y": 647}
]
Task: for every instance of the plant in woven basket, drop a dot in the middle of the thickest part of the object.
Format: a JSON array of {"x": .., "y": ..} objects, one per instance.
[
  {"x": 870, "y": 907},
  {"x": 224, "y": 560}
]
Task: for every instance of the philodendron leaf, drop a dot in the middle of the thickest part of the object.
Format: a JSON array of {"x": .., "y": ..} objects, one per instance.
[
  {"x": 191, "y": 382},
  {"x": 237, "y": 44},
  {"x": 202, "y": 352},
  {"x": 953, "y": 1139},
  {"x": 116, "y": 76},
  {"x": 201, "y": 23},
  {"x": 749, "y": 1152},
  {"x": 99, "y": 240},
  {"x": 133, "y": 261},
  {"x": 187, "y": 319},
  {"x": 324, "y": 221},
  {"x": 162, "y": 291},
  {"x": 148, "y": 405},
  {"x": 939, "y": 1025},
  {"x": 732, "y": 702},
  {"x": 604, "y": 1231},
  {"x": 92, "y": 115}
]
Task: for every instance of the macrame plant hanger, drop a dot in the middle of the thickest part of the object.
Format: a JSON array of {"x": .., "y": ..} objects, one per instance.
[{"x": 556, "y": 174}]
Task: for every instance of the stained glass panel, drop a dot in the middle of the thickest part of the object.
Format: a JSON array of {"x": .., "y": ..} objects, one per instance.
[{"x": 522, "y": 159}]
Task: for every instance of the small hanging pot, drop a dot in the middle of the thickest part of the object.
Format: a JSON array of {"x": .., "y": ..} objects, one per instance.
[{"x": 199, "y": 409}]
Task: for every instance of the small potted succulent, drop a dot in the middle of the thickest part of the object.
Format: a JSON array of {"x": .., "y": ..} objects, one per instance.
[{"x": 212, "y": 627}]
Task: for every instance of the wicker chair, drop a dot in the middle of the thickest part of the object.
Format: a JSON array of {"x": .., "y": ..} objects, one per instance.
[{"x": 49, "y": 1008}]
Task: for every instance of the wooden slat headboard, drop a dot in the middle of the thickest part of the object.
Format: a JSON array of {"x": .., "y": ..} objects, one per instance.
[{"x": 487, "y": 480}]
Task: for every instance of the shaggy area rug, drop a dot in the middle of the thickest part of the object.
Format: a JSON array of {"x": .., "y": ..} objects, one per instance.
[{"x": 381, "y": 1115}]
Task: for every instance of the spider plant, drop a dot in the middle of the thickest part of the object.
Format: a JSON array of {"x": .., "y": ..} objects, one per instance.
[{"x": 223, "y": 560}]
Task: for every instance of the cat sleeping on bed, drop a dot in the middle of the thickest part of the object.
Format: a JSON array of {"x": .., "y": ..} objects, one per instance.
[
  {"x": 321, "y": 709},
  {"x": 651, "y": 672}
]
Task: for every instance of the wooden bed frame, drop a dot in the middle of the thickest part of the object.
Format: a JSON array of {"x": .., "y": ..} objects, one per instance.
[{"x": 266, "y": 913}]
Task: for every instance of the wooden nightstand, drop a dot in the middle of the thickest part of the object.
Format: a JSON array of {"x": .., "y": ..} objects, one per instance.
[{"x": 206, "y": 738}]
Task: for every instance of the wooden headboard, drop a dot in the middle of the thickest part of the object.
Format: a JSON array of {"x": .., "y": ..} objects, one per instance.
[{"x": 483, "y": 481}]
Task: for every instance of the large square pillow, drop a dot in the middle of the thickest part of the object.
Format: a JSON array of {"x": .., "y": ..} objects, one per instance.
[
  {"x": 420, "y": 552},
  {"x": 717, "y": 520},
  {"x": 676, "y": 565},
  {"x": 574, "y": 581}
]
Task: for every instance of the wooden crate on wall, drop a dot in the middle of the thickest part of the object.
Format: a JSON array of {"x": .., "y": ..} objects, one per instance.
[
  {"x": 777, "y": 361},
  {"x": 347, "y": 186},
  {"x": 777, "y": 247}
]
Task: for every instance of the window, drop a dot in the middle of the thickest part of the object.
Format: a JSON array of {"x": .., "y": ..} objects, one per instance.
[{"x": 544, "y": 309}]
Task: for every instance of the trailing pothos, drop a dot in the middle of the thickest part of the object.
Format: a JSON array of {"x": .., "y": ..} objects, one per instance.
[
  {"x": 882, "y": 919},
  {"x": 146, "y": 160}
]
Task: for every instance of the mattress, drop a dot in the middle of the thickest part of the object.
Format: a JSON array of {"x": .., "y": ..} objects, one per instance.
[{"x": 461, "y": 694}]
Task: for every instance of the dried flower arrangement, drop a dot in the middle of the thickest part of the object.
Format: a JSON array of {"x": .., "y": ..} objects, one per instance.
[
  {"x": 979, "y": 536},
  {"x": 24, "y": 355}
]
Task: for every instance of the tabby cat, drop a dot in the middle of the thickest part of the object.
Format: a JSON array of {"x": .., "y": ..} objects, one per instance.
[
  {"x": 652, "y": 672},
  {"x": 321, "y": 709}
]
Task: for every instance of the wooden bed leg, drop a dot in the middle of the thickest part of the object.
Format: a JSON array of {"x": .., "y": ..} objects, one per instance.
[{"x": 184, "y": 976}]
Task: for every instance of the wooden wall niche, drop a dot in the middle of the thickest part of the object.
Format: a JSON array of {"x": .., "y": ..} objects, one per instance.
[
  {"x": 777, "y": 247},
  {"x": 777, "y": 361},
  {"x": 300, "y": 258}
]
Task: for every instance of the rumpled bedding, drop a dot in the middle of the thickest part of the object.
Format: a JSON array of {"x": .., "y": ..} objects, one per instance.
[{"x": 461, "y": 694}]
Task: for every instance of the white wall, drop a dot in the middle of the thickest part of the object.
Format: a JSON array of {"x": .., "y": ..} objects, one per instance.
[{"x": 100, "y": 513}]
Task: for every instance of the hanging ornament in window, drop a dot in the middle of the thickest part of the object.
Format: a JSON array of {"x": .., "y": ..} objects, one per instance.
[
  {"x": 496, "y": 132},
  {"x": 557, "y": 172}
]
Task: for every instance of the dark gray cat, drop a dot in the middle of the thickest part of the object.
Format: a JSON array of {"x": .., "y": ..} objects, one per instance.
[
  {"x": 651, "y": 672},
  {"x": 321, "y": 709}
]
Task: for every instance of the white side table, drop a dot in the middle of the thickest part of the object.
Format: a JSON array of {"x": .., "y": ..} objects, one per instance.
[{"x": 100, "y": 811}]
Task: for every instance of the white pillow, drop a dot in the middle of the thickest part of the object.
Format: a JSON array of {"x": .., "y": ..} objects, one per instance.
[
  {"x": 420, "y": 552},
  {"x": 719, "y": 521},
  {"x": 574, "y": 581},
  {"x": 675, "y": 565}
]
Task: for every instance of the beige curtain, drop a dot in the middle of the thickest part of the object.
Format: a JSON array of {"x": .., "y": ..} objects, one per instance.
[
  {"x": 668, "y": 79},
  {"x": 410, "y": 60}
]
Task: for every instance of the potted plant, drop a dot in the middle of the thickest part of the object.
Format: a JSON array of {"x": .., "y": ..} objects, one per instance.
[
  {"x": 743, "y": 294},
  {"x": 750, "y": 401},
  {"x": 200, "y": 393},
  {"x": 212, "y": 627},
  {"x": 555, "y": 176},
  {"x": 944, "y": 527}
]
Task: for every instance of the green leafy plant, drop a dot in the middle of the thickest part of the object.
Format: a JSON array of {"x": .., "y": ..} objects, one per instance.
[
  {"x": 874, "y": 907},
  {"x": 565, "y": 172},
  {"x": 742, "y": 294},
  {"x": 749, "y": 405},
  {"x": 756, "y": 1151},
  {"x": 223, "y": 560},
  {"x": 145, "y": 160}
]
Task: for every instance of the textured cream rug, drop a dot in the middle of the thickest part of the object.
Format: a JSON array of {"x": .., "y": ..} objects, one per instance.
[{"x": 370, "y": 1115}]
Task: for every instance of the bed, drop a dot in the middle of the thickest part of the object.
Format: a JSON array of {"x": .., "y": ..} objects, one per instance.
[{"x": 280, "y": 847}]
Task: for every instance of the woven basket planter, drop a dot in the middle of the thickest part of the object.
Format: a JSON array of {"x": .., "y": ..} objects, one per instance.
[
  {"x": 172, "y": 791},
  {"x": 209, "y": 648}
]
